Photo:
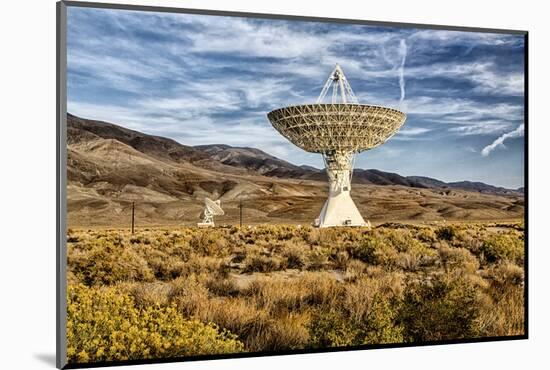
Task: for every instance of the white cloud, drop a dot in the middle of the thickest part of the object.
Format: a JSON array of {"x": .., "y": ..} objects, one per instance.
[
  {"x": 518, "y": 132},
  {"x": 464, "y": 116},
  {"x": 412, "y": 134},
  {"x": 460, "y": 37},
  {"x": 403, "y": 50},
  {"x": 189, "y": 130},
  {"x": 486, "y": 127},
  {"x": 413, "y": 131}
]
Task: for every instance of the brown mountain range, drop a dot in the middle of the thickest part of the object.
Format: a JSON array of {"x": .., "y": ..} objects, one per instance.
[{"x": 109, "y": 167}]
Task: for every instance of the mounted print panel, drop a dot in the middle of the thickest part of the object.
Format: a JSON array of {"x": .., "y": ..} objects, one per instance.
[{"x": 247, "y": 184}]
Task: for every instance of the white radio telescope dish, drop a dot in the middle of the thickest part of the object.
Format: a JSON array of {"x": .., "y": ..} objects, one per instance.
[
  {"x": 211, "y": 209},
  {"x": 338, "y": 130}
]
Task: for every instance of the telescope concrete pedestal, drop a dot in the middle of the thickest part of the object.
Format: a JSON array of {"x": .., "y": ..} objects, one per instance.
[{"x": 340, "y": 210}]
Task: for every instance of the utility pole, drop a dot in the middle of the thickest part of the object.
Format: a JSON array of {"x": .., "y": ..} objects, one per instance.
[
  {"x": 240, "y": 213},
  {"x": 133, "y": 212}
]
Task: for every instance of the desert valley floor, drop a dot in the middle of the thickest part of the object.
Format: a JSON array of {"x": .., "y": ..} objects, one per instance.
[{"x": 109, "y": 167}]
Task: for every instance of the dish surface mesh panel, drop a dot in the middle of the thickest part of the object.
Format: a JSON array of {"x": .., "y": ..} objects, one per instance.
[{"x": 319, "y": 128}]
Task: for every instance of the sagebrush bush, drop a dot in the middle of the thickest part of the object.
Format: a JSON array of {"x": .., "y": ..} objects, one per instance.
[
  {"x": 503, "y": 246},
  {"x": 457, "y": 259},
  {"x": 189, "y": 295},
  {"x": 106, "y": 262},
  {"x": 426, "y": 235},
  {"x": 257, "y": 263},
  {"x": 440, "y": 308},
  {"x": 504, "y": 309},
  {"x": 506, "y": 274},
  {"x": 295, "y": 257},
  {"x": 147, "y": 294},
  {"x": 330, "y": 328},
  {"x": 317, "y": 259},
  {"x": 209, "y": 243},
  {"x": 222, "y": 286},
  {"x": 374, "y": 250},
  {"x": 448, "y": 233},
  {"x": 105, "y": 325},
  {"x": 372, "y": 305}
]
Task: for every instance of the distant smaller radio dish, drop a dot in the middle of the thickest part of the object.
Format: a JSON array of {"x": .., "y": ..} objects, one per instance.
[
  {"x": 214, "y": 207},
  {"x": 211, "y": 209}
]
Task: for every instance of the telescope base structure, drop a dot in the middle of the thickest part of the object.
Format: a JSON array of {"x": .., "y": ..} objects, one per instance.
[
  {"x": 207, "y": 219},
  {"x": 339, "y": 209}
]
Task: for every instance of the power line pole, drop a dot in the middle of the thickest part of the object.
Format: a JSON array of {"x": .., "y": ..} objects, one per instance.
[
  {"x": 133, "y": 212},
  {"x": 240, "y": 213}
]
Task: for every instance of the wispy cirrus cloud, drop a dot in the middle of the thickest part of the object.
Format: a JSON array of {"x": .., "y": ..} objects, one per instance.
[
  {"x": 414, "y": 131},
  {"x": 201, "y": 79},
  {"x": 403, "y": 50}
]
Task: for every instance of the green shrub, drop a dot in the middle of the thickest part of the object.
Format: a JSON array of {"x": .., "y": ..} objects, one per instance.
[
  {"x": 374, "y": 251},
  {"x": 427, "y": 235},
  {"x": 337, "y": 327},
  {"x": 366, "y": 314},
  {"x": 439, "y": 309},
  {"x": 448, "y": 233},
  {"x": 504, "y": 246},
  {"x": 104, "y": 325},
  {"x": 403, "y": 240},
  {"x": 330, "y": 328},
  {"x": 372, "y": 303}
]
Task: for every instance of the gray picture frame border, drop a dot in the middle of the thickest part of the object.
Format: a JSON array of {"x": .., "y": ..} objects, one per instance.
[{"x": 61, "y": 188}]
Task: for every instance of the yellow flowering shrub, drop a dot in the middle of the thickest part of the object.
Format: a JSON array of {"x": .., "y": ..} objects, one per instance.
[
  {"x": 105, "y": 325},
  {"x": 504, "y": 247}
]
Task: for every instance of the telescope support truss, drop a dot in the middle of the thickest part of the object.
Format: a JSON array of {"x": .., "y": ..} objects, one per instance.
[
  {"x": 339, "y": 208},
  {"x": 340, "y": 88},
  {"x": 208, "y": 217}
]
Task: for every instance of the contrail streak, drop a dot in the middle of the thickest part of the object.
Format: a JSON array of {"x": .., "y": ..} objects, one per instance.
[
  {"x": 403, "y": 50},
  {"x": 518, "y": 132}
]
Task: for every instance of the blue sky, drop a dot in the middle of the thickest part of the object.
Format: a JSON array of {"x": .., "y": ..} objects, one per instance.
[{"x": 209, "y": 79}]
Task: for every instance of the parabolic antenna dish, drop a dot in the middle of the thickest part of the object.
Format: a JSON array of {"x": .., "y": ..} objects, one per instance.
[
  {"x": 338, "y": 130},
  {"x": 214, "y": 207},
  {"x": 322, "y": 128}
]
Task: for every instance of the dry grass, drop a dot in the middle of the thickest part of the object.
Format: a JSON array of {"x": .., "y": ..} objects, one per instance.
[{"x": 287, "y": 287}]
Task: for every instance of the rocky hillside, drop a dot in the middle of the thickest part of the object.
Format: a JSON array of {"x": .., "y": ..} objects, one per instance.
[{"x": 109, "y": 167}]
